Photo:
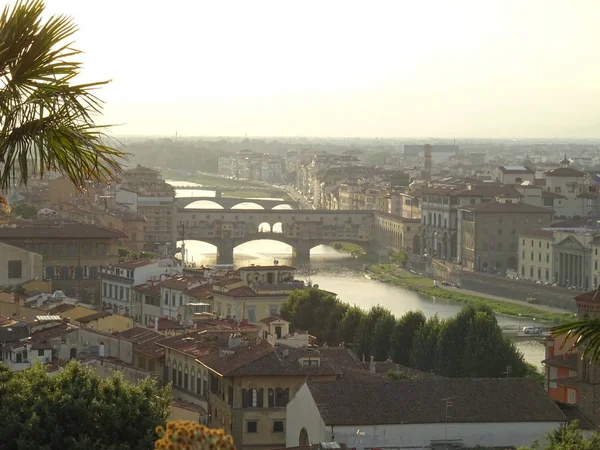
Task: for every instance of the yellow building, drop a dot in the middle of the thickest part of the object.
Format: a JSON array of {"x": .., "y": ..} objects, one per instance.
[
  {"x": 105, "y": 321},
  {"x": 536, "y": 260}
]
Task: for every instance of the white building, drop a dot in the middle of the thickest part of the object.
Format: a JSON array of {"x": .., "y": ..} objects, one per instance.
[
  {"x": 173, "y": 292},
  {"x": 18, "y": 265},
  {"x": 118, "y": 282},
  {"x": 420, "y": 414},
  {"x": 513, "y": 174}
]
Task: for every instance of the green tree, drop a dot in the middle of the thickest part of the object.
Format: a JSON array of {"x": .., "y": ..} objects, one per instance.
[
  {"x": 487, "y": 353},
  {"x": 587, "y": 333},
  {"x": 147, "y": 255},
  {"x": 401, "y": 339},
  {"x": 567, "y": 437},
  {"x": 124, "y": 253},
  {"x": 77, "y": 410},
  {"x": 317, "y": 311},
  {"x": 424, "y": 347},
  {"x": 46, "y": 119},
  {"x": 395, "y": 376},
  {"x": 371, "y": 338},
  {"x": 349, "y": 324},
  {"x": 24, "y": 210}
]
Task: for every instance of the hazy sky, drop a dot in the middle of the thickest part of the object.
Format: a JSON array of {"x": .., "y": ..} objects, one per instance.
[{"x": 445, "y": 68}]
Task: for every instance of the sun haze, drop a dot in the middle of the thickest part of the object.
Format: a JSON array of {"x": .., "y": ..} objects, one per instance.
[{"x": 461, "y": 68}]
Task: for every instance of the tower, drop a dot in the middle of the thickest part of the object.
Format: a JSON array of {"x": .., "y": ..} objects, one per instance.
[{"x": 427, "y": 161}]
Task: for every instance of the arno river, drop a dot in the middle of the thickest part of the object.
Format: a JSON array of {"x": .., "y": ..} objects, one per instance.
[{"x": 337, "y": 272}]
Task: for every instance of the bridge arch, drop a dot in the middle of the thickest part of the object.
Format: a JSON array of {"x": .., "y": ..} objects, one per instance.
[
  {"x": 203, "y": 204},
  {"x": 246, "y": 204},
  {"x": 277, "y": 227},
  {"x": 264, "y": 227},
  {"x": 283, "y": 205}
]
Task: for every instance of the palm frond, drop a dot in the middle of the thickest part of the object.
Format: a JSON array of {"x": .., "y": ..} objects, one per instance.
[
  {"x": 46, "y": 121},
  {"x": 587, "y": 334}
]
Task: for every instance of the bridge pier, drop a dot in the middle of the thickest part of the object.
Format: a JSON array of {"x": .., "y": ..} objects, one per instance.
[
  {"x": 225, "y": 252},
  {"x": 218, "y": 193},
  {"x": 301, "y": 253}
]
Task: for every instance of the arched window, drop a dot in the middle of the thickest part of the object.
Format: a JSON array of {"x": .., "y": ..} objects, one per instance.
[
  {"x": 282, "y": 396},
  {"x": 252, "y": 398},
  {"x": 303, "y": 439}
]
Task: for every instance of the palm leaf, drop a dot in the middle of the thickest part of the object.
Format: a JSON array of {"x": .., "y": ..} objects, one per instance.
[
  {"x": 47, "y": 121},
  {"x": 587, "y": 333}
]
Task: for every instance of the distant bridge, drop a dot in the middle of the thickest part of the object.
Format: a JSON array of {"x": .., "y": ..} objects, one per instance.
[
  {"x": 227, "y": 188},
  {"x": 302, "y": 229},
  {"x": 229, "y": 203}
]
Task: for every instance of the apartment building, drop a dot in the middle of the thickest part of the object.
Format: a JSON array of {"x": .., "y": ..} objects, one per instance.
[
  {"x": 143, "y": 191},
  {"x": 118, "y": 282},
  {"x": 490, "y": 233},
  {"x": 536, "y": 255}
]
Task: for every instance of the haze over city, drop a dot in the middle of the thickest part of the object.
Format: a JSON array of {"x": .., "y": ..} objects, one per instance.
[{"x": 465, "y": 68}]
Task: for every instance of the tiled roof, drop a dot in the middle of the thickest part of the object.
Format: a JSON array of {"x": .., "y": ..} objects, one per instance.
[
  {"x": 188, "y": 405},
  {"x": 516, "y": 169},
  {"x": 589, "y": 297},
  {"x": 59, "y": 230},
  {"x": 95, "y": 316},
  {"x": 242, "y": 356},
  {"x": 564, "y": 172},
  {"x": 508, "y": 208},
  {"x": 284, "y": 362},
  {"x": 271, "y": 319},
  {"x": 153, "y": 291},
  {"x": 410, "y": 402},
  {"x": 54, "y": 332},
  {"x": 12, "y": 334},
  {"x": 228, "y": 281},
  {"x": 383, "y": 367},
  {"x": 145, "y": 340},
  {"x": 488, "y": 190},
  {"x": 179, "y": 282},
  {"x": 164, "y": 323},
  {"x": 201, "y": 292},
  {"x": 568, "y": 360}
]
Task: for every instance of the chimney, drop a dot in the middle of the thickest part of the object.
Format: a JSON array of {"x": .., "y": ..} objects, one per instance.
[{"x": 372, "y": 365}]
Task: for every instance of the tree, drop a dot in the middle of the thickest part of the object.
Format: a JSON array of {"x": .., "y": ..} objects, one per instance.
[
  {"x": 146, "y": 255},
  {"x": 567, "y": 437},
  {"x": 401, "y": 339},
  {"x": 25, "y": 211},
  {"x": 423, "y": 350},
  {"x": 349, "y": 324},
  {"x": 317, "y": 311},
  {"x": 124, "y": 253},
  {"x": 77, "y": 410},
  {"x": 373, "y": 333},
  {"x": 46, "y": 120}
]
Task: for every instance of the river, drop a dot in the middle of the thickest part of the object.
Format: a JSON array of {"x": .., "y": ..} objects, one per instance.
[{"x": 338, "y": 272}]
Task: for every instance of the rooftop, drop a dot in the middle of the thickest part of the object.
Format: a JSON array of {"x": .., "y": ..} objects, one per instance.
[
  {"x": 507, "y": 208},
  {"x": 539, "y": 233},
  {"x": 516, "y": 169},
  {"x": 564, "y": 172},
  {"x": 259, "y": 268},
  {"x": 410, "y": 402},
  {"x": 145, "y": 340},
  {"x": 568, "y": 360},
  {"x": 94, "y": 316},
  {"x": 58, "y": 230}
]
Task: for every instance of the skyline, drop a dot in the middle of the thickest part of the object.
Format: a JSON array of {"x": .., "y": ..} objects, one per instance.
[{"x": 502, "y": 69}]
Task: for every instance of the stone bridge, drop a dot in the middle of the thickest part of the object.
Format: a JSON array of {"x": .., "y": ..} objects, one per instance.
[
  {"x": 302, "y": 229},
  {"x": 229, "y": 202}
]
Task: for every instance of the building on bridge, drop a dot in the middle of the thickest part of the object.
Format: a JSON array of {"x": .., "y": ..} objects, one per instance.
[{"x": 257, "y": 293}]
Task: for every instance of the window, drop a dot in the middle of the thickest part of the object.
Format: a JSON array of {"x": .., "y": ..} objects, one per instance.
[
  {"x": 71, "y": 249},
  {"x": 15, "y": 269},
  {"x": 499, "y": 231},
  {"x": 539, "y": 273},
  {"x": 499, "y": 246},
  {"x": 57, "y": 249},
  {"x": 596, "y": 265},
  {"x": 553, "y": 376},
  {"x": 104, "y": 290},
  {"x": 166, "y": 298},
  {"x": 540, "y": 244},
  {"x": 540, "y": 257},
  {"x": 252, "y": 426},
  {"x": 101, "y": 249},
  {"x": 252, "y": 398},
  {"x": 278, "y": 425},
  {"x": 531, "y": 272},
  {"x": 547, "y": 258},
  {"x": 532, "y": 256},
  {"x": 523, "y": 241},
  {"x": 571, "y": 397},
  {"x": 252, "y": 314},
  {"x": 121, "y": 292},
  {"x": 41, "y": 352},
  {"x": 86, "y": 249},
  {"x": 547, "y": 275},
  {"x": 522, "y": 271}
]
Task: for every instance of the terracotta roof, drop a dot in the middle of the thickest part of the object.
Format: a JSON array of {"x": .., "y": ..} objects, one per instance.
[
  {"x": 188, "y": 405},
  {"x": 179, "y": 282},
  {"x": 546, "y": 234},
  {"x": 95, "y": 316},
  {"x": 588, "y": 195},
  {"x": 568, "y": 360},
  {"x": 153, "y": 291},
  {"x": 259, "y": 268},
  {"x": 54, "y": 332},
  {"x": 284, "y": 362},
  {"x": 564, "y": 172},
  {"x": 507, "y": 208},
  {"x": 59, "y": 230},
  {"x": 165, "y": 323},
  {"x": 228, "y": 281},
  {"x": 271, "y": 319},
  {"x": 411, "y": 402},
  {"x": 145, "y": 340},
  {"x": 589, "y": 297},
  {"x": 240, "y": 357},
  {"x": 488, "y": 190},
  {"x": 201, "y": 292},
  {"x": 13, "y": 334}
]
